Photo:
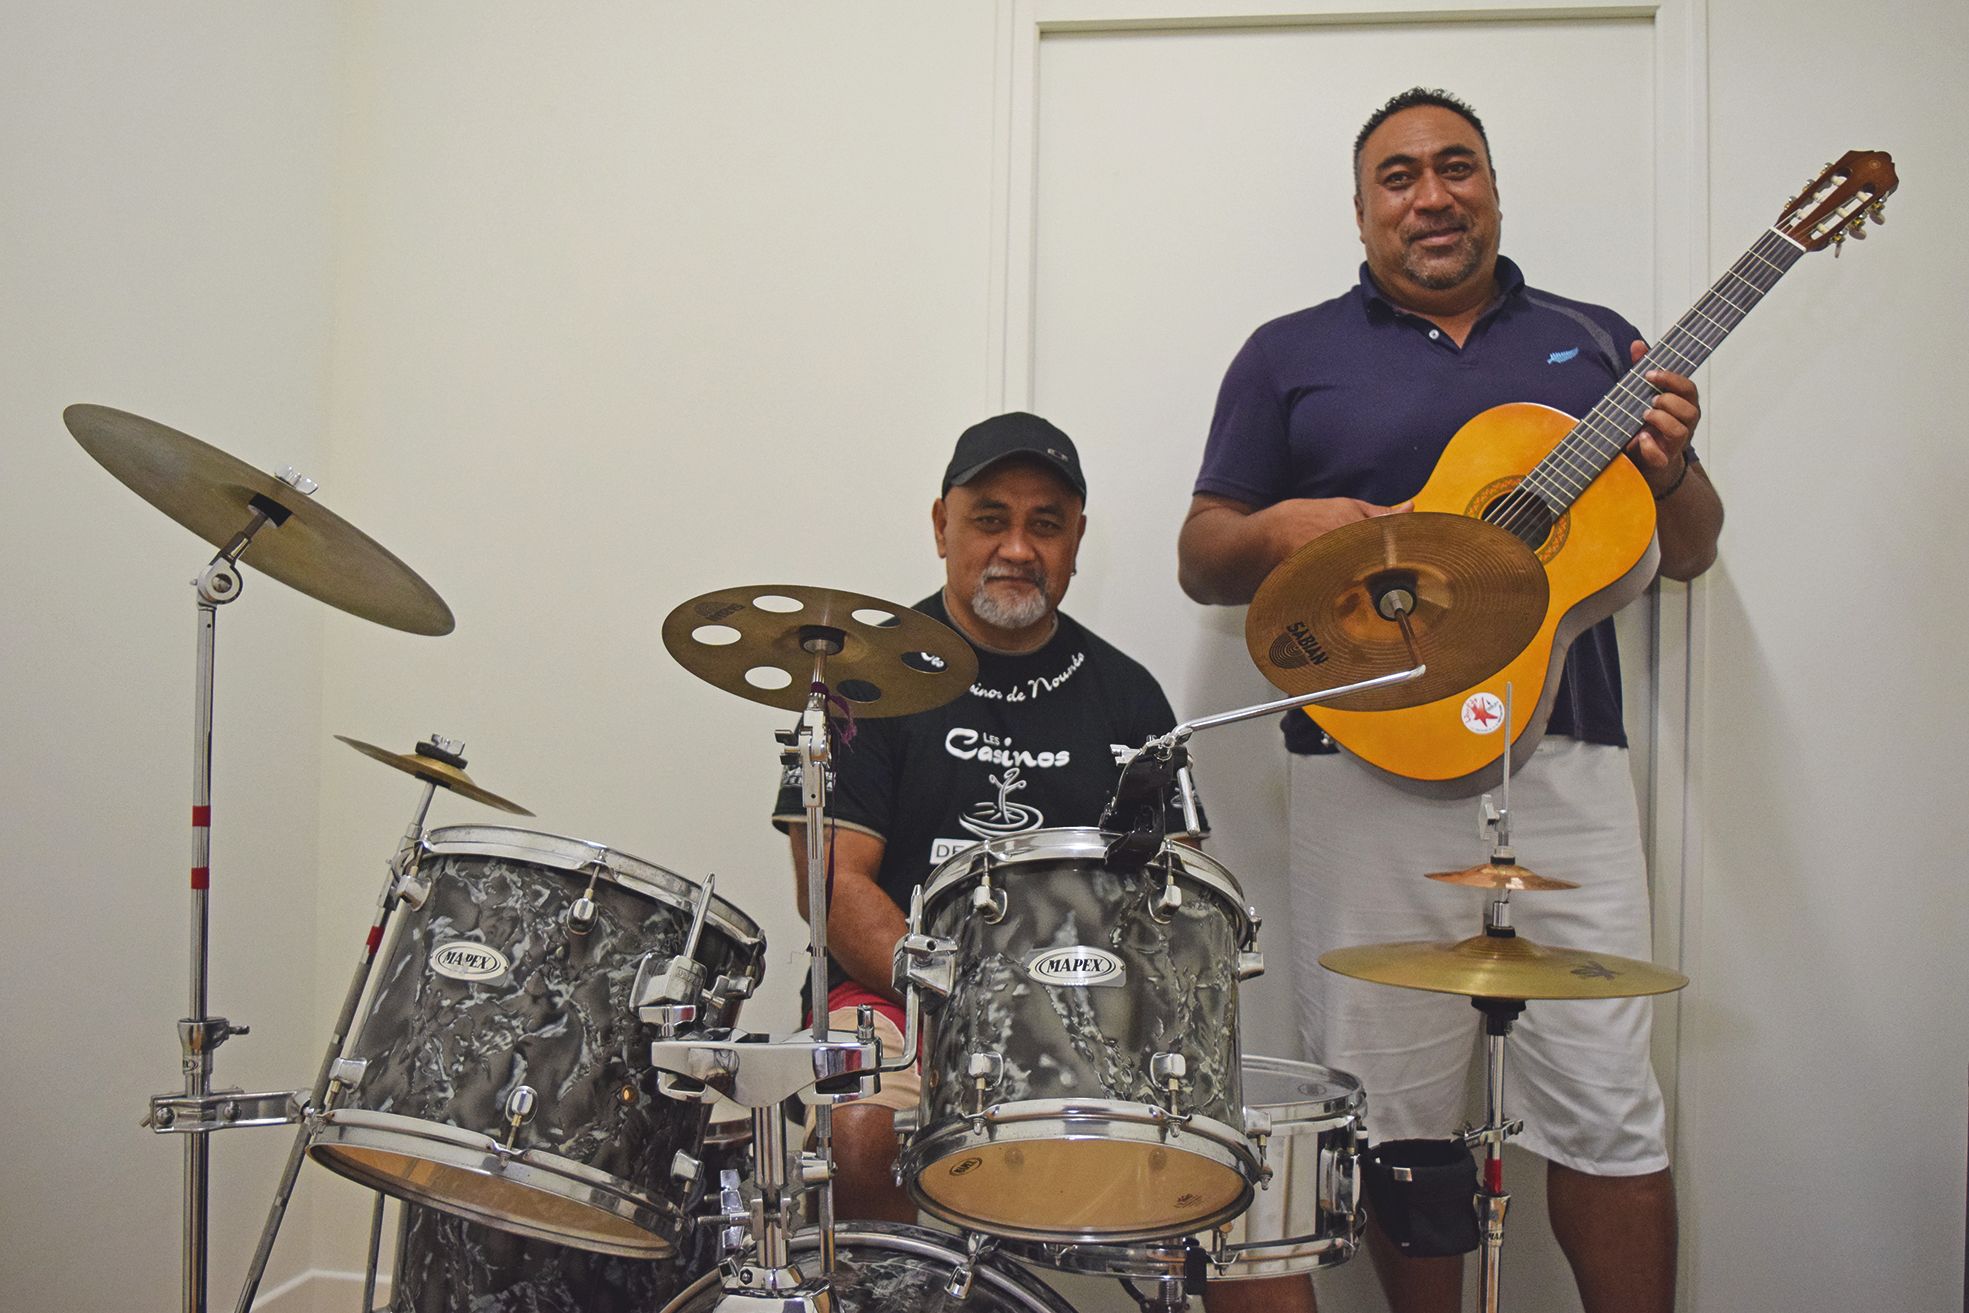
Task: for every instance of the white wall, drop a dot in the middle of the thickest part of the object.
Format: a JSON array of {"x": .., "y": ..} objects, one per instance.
[
  {"x": 1824, "y": 1064},
  {"x": 164, "y": 248},
  {"x": 629, "y": 302}
]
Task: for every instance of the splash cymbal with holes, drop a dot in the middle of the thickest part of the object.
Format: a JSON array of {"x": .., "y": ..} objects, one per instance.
[
  {"x": 1502, "y": 966},
  {"x": 441, "y": 773},
  {"x": 1479, "y": 597},
  {"x": 760, "y": 643},
  {"x": 310, "y": 549},
  {"x": 1501, "y": 875}
]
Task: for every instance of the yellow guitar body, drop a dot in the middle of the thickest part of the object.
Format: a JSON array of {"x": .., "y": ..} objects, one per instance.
[{"x": 1598, "y": 557}]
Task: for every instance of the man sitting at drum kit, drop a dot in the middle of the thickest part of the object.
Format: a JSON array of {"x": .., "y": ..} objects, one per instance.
[{"x": 1030, "y": 745}]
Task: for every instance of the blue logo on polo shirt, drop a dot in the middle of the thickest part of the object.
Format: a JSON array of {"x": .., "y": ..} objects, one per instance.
[{"x": 1561, "y": 357}]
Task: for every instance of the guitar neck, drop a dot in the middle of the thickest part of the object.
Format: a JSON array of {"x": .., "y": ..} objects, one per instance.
[{"x": 1596, "y": 441}]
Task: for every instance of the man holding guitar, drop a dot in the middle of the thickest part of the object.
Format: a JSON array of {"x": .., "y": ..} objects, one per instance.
[{"x": 1340, "y": 412}]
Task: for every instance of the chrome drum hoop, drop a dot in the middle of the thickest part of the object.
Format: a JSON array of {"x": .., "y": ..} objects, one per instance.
[
  {"x": 1040, "y": 1121},
  {"x": 464, "y": 1153},
  {"x": 1079, "y": 844},
  {"x": 891, "y": 1268}
]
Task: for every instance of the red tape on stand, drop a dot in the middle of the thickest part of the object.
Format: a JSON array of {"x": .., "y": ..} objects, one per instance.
[{"x": 201, "y": 877}]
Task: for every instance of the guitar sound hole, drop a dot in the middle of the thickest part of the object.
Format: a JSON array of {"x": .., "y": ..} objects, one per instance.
[{"x": 1524, "y": 513}]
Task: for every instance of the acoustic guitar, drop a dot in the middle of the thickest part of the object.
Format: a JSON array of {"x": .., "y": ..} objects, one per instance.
[{"x": 1562, "y": 486}]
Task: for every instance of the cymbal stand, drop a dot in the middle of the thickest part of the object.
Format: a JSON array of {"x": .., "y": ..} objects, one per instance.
[
  {"x": 200, "y": 1110},
  {"x": 1498, "y": 1014},
  {"x": 329, "y": 1082},
  {"x": 821, "y": 1069}
]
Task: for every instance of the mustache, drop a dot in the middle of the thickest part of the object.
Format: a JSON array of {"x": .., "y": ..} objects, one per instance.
[
  {"x": 1031, "y": 574},
  {"x": 1436, "y": 230}
]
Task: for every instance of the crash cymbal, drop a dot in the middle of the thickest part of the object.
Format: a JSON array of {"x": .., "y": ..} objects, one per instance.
[
  {"x": 1501, "y": 875},
  {"x": 212, "y": 494},
  {"x": 1480, "y": 597},
  {"x": 1492, "y": 966},
  {"x": 438, "y": 771},
  {"x": 884, "y": 659}
]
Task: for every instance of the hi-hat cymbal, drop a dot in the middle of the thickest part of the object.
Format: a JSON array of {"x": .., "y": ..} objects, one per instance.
[
  {"x": 1501, "y": 875},
  {"x": 1480, "y": 597},
  {"x": 212, "y": 494},
  {"x": 441, "y": 773},
  {"x": 759, "y": 642},
  {"x": 1493, "y": 966}
]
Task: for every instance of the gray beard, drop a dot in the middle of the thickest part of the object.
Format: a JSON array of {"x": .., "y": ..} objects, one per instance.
[{"x": 1024, "y": 613}]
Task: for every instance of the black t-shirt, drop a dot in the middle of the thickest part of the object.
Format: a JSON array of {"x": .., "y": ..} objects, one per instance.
[{"x": 1029, "y": 746}]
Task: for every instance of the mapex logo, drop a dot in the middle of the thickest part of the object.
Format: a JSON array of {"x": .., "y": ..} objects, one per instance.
[
  {"x": 463, "y": 960},
  {"x": 1075, "y": 966}
]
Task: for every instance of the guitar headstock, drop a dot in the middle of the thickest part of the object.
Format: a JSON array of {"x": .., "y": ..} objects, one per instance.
[{"x": 1837, "y": 204}]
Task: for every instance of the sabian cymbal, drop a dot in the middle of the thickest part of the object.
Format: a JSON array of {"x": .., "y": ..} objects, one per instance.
[
  {"x": 1480, "y": 596},
  {"x": 212, "y": 494},
  {"x": 759, "y": 642},
  {"x": 1490, "y": 966},
  {"x": 441, "y": 773},
  {"x": 1495, "y": 875}
]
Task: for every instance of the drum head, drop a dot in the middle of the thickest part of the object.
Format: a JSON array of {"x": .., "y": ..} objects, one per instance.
[
  {"x": 1080, "y": 1188},
  {"x": 535, "y": 1194}
]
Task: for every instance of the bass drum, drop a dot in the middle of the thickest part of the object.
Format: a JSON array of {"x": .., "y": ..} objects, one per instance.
[
  {"x": 500, "y": 1073},
  {"x": 889, "y": 1268}
]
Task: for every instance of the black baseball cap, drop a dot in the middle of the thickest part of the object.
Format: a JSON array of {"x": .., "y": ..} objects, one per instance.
[{"x": 1017, "y": 434}]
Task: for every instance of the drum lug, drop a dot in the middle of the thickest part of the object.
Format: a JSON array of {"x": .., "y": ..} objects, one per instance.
[
  {"x": 1166, "y": 902},
  {"x": 686, "y": 1170},
  {"x": 976, "y": 1247},
  {"x": 1168, "y": 1070},
  {"x": 519, "y": 1110},
  {"x": 1258, "y": 1129},
  {"x": 411, "y": 889},
  {"x": 346, "y": 1073},
  {"x": 985, "y": 1070},
  {"x": 1250, "y": 964},
  {"x": 581, "y": 914},
  {"x": 987, "y": 901}
]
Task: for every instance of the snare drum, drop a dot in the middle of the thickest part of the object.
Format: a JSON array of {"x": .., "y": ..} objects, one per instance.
[
  {"x": 500, "y": 1074},
  {"x": 1081, "y": 1079},
  {"x": 1307, "y": 1217}
]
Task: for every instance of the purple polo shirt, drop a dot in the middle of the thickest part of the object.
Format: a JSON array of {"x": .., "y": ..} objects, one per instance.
[{"x": 1356, "y": 398}]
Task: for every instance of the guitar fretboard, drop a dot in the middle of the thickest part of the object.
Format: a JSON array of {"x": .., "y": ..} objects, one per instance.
[{"x": 1597, "y": 440}]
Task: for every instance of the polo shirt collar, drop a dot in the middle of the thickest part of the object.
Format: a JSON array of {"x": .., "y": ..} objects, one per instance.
[{"x": 1510, "y": 281}]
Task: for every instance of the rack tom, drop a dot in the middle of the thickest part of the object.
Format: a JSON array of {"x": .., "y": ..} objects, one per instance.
[
  {"x": 1080, "y": 1054},
  {"x": 500, "y": 1073}
]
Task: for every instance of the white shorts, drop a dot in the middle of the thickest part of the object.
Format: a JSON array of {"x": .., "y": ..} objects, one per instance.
[{"x": 1578, "y": 1072}]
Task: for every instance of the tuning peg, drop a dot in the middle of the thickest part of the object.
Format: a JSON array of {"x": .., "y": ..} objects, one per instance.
[
  {"x": 1838, "y": 241},
  {"x": 1858, "y": 229},
  {"x": 1877, "y": 211}
]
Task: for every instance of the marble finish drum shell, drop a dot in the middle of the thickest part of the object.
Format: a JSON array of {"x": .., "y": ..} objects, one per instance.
[
  {"x": 1307, "y": 1217},
  {"x": 484, "y": 991},
  {"x": 884, "y": 1267},
  {"x": 1072, "y": 1009}
]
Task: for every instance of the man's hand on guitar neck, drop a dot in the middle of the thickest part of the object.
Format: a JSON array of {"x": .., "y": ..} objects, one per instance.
[
  {"x": 1227, "y": 547},
  {"x": 1689, "y": 514}
]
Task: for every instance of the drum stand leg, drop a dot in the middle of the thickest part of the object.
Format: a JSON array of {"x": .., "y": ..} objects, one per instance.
[
  {"x": 375, "y": 1251},
  {"x": 327, "y": 1085},
  {"x": 1492, "y": 1198}
]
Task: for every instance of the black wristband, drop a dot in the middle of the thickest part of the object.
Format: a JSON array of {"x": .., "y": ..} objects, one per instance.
[{"x": 1669, "y": 491}]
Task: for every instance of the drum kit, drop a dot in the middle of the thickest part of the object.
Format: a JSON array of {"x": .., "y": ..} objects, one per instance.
[{"x": 537, "y": 1028}]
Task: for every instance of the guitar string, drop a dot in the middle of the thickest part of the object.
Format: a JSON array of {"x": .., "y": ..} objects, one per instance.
[{"x": 1579, "y": 457}]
